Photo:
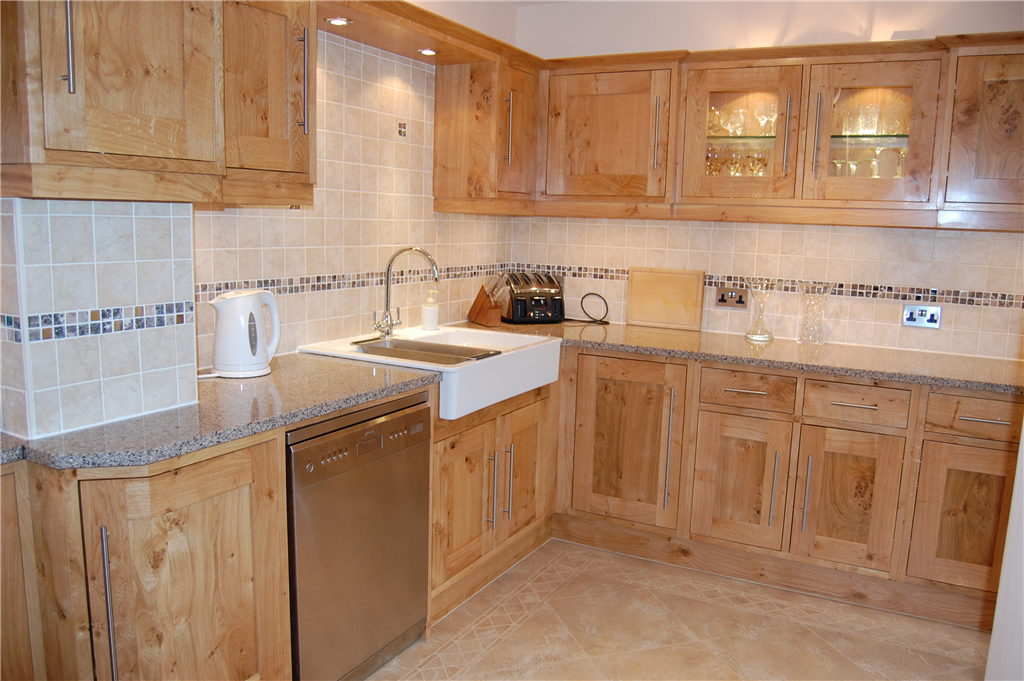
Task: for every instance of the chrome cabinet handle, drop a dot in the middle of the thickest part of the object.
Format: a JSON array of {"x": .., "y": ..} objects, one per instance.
[
  {"x": 509, "y": 100},
  {"x": 668, "y": 453},
  {"x": 995, "y": 422},
  {"x": 511, "y": 475},
  {"x": 494, "y": 490},
  {"x": 305, "y": 80},
  {"x": 70, "y": 78},
  {"x": 855, "y": 406},
  {"x": 745, "y": 392},
  {"x": 110, "y": 603},
  {"x": 807, "y": 493},
  {"x": 657, "y": 125},
  {"x": 785, "y": 145},
  {"x": 775, "y": 480},
  {"x": 817, "y": 129}
]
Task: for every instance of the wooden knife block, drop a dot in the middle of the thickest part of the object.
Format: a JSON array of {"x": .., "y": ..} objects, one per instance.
[{"x": 483, "y": 311}]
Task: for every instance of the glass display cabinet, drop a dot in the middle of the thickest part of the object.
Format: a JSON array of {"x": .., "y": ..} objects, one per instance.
[
  {"x": 871, "y": 131},
  {"x": 741, "y": 132}
]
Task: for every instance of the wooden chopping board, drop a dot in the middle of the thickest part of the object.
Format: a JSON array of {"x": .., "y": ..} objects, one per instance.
[{"x": 672, "y": 299}]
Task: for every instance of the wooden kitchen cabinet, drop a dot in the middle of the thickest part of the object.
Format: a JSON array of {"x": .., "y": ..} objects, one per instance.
[
  {"x": 197, "y": 562},
  {"x": 608, "y": 133},
  {"x": 629, "y": 424},
  {"x": 21, "y": 649}
]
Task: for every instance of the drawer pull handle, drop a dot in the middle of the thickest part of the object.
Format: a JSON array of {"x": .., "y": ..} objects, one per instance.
[
  {"x": 817, "y": 141},
  {"x": 746, "y": 392},
  {"x": 785, "y": 145},
  {"x": 657, "y": 124},
  {"x": 305, "y": 81},
  {"x": 110, "y": 603},
  {"x": 775, "y": 479},
  {"x": 494, "y": 491},
  {"x": 511, "y": 476},
  {"x": 807, "y": 493},
  {"x": 855, "y": 406},
  {"x": 508, "y": 158},
  {"x": 70, "y": 78},
  {"x": 668, "y": 453},
  {"x": 994, "y": 422}
]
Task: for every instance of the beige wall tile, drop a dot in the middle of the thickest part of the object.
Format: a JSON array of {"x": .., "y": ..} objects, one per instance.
[
  {"x": 78, "y": 360},
  {"x": 74, "y": 287},
  {"x": 154, "y": 282},
  {"x": 122, "y": 397},
  {"x": 48, "y": 411},
  {"x": 81, "y": 405},
  {"x": 159, "y": 389},
  {"x": 44, "y": 364},
  {"x": 115, "y": 284},
  {"x": 119, "y": 354}
]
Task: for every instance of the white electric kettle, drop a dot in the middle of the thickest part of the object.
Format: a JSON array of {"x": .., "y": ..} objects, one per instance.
[{"x": 240, "y": 345}]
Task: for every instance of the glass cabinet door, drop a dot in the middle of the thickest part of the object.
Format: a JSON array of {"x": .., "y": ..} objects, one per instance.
[
  {"x": 741, "y": 132},
  {"x": 871, "y": 131}
]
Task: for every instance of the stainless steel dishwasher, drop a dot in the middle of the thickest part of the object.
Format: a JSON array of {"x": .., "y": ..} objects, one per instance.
[{"x": 358, "y": 535}]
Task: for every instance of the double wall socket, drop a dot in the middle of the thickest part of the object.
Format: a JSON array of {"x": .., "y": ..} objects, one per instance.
[
  {"x": 730, "y": 297},
  {"x": 928, "y": 316}
]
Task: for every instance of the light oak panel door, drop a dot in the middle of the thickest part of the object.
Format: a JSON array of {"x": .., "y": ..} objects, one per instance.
[
  {"x": 197, "y": 563},
  {"x": 986, "y": 151},
  {"x": 465, "y": 499},
  {"x": 629, "y": 420},
  {"x": 16, "y": 644},
  {"x": 963, "y": 503},
  {"x": 740, "y": 474},
  {"x": 266, "y": 85},
  {"x": 608, "y": 133},
  {"x": 146, "y": 78},
  {"x": 517, "y": 131},
  {"x": 522, "y": 439},
  {"x": 848, "y": 514}
]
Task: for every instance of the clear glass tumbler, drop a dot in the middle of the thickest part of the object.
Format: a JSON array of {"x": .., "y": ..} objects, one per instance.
[
  {"x": 761, "y": 290},
  {"x": 813, "y": 299}
]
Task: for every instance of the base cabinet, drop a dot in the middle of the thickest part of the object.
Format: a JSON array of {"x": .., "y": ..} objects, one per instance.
[{"x": 21, "y": 653}]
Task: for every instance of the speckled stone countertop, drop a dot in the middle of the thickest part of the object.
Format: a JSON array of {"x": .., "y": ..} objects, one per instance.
[
  {"x": 886, "y": 364},
  {"x": 299, "y": 387}
]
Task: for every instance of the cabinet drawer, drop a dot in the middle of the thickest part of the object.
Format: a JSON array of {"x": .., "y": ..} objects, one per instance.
[
  {"x": 748, "y": 389},
  {"x": 857, "y": 403},
  {"x": 974, "y": 417}
]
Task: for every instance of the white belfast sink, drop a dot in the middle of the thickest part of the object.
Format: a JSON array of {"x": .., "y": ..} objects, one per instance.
[{"x": 525, "y": 362}]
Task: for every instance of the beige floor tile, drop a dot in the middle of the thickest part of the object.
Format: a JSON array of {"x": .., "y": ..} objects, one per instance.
[
  {"x": 621, "y": 621},
  {"x": 589, "y": 585},
  {"x": 976, "y": 673},
  {"x": 887, "y": 661},
  {"x": 542, "y": 639},
  {"x": 675, "y": 663},
  {"x": 582, "y": 669},
  {"x": 712, "y": 620}
]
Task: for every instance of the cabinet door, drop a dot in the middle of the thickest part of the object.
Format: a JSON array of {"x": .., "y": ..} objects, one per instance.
[
  {"x": 963, "y": 504},
  {"x": 522, "y": 441},
  {"x": 629, "y": 421},
  {"x": 197, "y": 560},
  {"x": 145, "y": 78},
  {"x": 741, "y": 132},
  {"x": 986, "y": 151},
  {"x": 517, "y": 134},
  {"x": 266, "y": 78},
  {"x": 871, "y": 131},
  {"x": 740, "y": 474},
  {"x": 608, "y": 133},
  {"x": 465, "y": 499},
  {"x": 19, "y": 617},
  {"x": 848, "y": 512}
]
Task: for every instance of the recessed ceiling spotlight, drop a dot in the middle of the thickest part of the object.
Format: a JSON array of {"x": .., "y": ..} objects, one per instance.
[
  {"x": 338, "y": 21},
  {"x": 427, "y": 52}
]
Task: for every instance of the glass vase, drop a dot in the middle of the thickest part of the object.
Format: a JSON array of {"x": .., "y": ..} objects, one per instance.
[
  {"x": 813, "y": 299},
  {"x": 761, "y": 290}
]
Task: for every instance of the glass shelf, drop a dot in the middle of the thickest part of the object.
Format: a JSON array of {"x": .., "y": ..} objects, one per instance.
[{"x": 741, "y": 138}]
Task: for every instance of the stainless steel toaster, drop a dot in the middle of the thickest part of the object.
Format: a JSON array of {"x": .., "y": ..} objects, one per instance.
[{"x": 533, "y": 298}]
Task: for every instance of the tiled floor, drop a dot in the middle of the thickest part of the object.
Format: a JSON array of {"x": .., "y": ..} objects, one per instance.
[{"x": 572, "y": 612}]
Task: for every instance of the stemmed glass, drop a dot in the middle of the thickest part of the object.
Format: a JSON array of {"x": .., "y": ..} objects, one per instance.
[
  {"x": 761, "y": 290},
  {"x": 766, "y": 112},
  {"x": 735, "y": 121}
]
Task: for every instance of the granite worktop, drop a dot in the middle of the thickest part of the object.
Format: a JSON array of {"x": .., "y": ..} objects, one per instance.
[{"x": 299, "y": 387}]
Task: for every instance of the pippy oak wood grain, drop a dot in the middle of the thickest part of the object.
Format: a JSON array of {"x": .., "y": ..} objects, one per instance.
[
  {"x": 15, "y": 618},
  {"x": 734, "y": 474},
  {"x": 963, "y": 502},
  {"x": 986, "y": 153},
  {"x": 602, "y": 134},
  {"x": 830, "y": 400},
  {"x": 744, "y": 388},
  {"x": 523, "y": 440},
  {"x": 956, "y": 414},
  {"x": 465, "y": 142},
  {"x": 854, "y": 490},
  {"x": 672, "y": 299},
  {"x": 623, "y": 447},
  {"x": 517, "y": 159}
]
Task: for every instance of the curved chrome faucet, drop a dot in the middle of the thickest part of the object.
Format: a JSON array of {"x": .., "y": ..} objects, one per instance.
[{"x": 387, "y": 325}]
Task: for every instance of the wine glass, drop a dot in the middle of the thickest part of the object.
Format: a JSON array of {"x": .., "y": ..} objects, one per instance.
[
  {"x": 735, "y": 121},
  {"x": 715, "y": 160},
  {"x": 765, "y": 112},
  {"x": 838, "y": 163}
]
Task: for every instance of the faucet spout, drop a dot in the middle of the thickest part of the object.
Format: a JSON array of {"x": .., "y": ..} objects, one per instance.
[{"x": 387, "y": 325}]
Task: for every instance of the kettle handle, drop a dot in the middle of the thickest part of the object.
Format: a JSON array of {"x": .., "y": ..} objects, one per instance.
[{"x": 275, "y": 323}]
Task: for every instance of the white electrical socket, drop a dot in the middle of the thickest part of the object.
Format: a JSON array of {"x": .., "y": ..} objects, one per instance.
[{"x": 928, "y": 316}]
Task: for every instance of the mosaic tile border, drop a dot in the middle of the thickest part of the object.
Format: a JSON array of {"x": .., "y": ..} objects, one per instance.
[
  {"x": 102, "y": 321},
  {"x": 11, "y": 325}
]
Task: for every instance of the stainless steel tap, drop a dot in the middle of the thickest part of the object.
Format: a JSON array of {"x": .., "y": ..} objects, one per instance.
[{"x": 386, "y": 325}]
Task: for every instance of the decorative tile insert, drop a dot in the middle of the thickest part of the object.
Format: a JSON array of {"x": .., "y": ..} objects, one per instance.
[
  {"x": 77, "y": 323},
  {"x": 11, "y": 325}
]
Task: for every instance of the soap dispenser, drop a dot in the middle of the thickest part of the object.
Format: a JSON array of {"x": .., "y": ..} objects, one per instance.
[{"x": 429, "y": 312}]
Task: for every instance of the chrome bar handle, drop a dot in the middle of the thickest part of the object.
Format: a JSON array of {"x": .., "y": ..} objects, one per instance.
[
  {"x": 775, "y": 480},
  {"x": 855, "y": 406},
  {"x": 494, "y": 490},
  {"x": 305, "y": 80},
  {"x": 745, "y": 392},
  {"x": 657, "y": 126},
  {"x": 511, "y": 476},
  {"x": 807, "y": 493},
  {"x": 509, "y": 100},
  {"x": 817, "y": 129},
  {"x": 110, "y": 603},
  {"x": 70, "y": 78},
  {"x": 668, "y": 453},
  {"x": 785, "y": 145},
  {"x": 995, "y": 422}
]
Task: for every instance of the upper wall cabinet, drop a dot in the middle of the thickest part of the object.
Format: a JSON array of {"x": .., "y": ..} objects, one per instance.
[
  {"x": 986, "y": 153},
  {"x": 608, "y": 133},
  {"x": 741, "y": 132},
  {"x": 871, "y": 131}
]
